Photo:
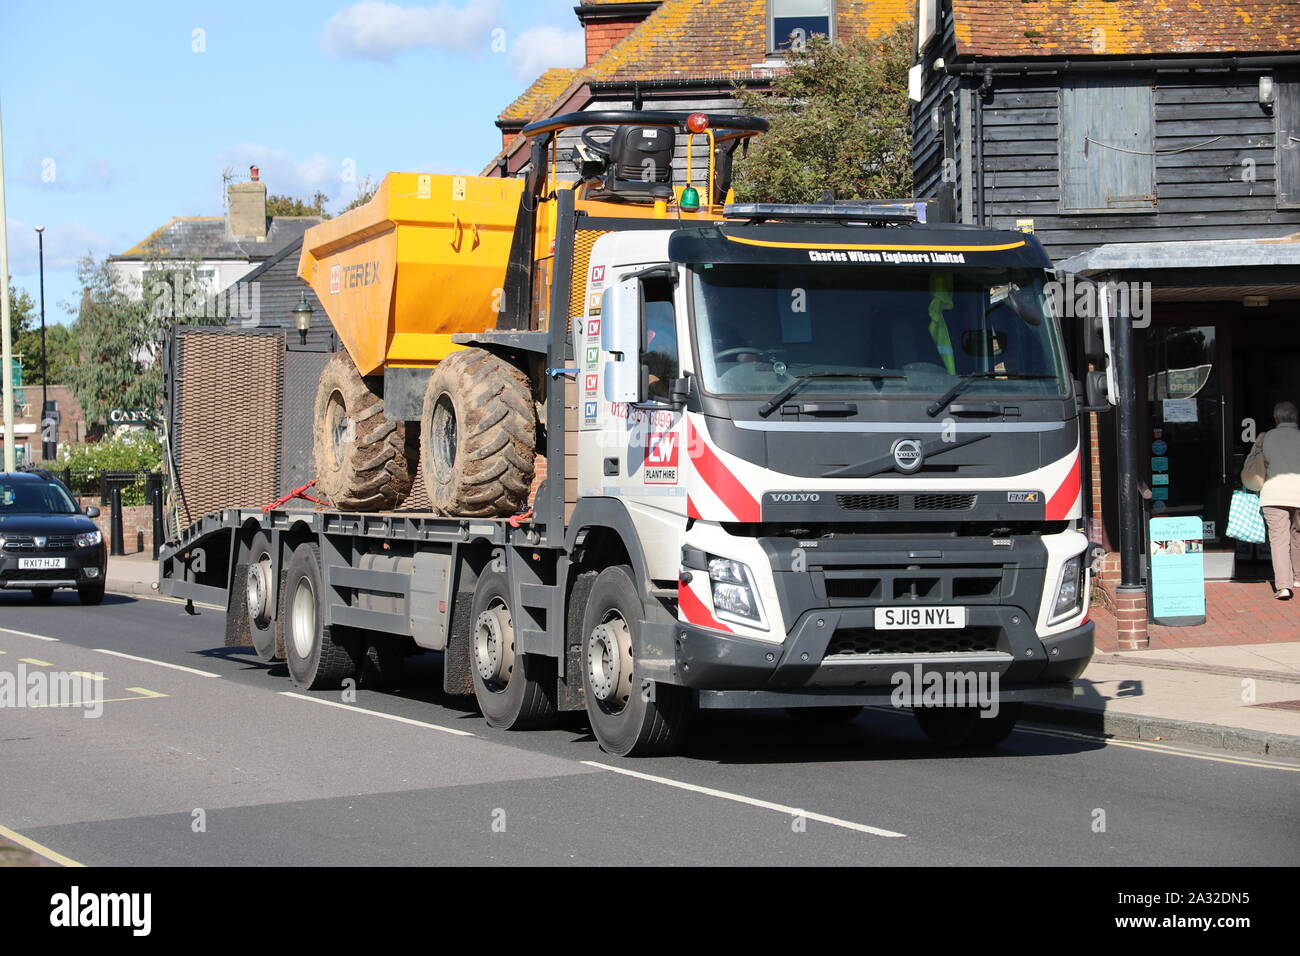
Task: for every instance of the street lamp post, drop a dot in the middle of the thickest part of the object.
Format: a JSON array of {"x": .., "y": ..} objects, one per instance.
[{"x": 45, "y": 364}]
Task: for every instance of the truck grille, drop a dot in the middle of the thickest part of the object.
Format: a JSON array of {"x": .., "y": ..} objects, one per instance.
[
  {"x": 921, "y": 502},
  {"x": 27, "y": 542},
  {"x": 865, "y": 642}
]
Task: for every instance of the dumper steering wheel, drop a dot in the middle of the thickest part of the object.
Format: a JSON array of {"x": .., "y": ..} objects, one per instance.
[{"x": 599, "y": 146}]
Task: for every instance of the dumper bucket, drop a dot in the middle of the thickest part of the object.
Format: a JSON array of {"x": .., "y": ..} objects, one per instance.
[{"x": 420, "y": 262}]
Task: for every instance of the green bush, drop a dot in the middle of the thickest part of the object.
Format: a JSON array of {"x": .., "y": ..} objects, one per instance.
[{"x": 138, "y": 451}]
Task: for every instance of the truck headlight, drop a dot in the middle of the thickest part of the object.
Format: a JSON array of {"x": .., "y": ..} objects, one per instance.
[
  {"x": 734, "y": 594},
  {"x": 89, "y": 539},
  {"x": 1069, "y": 590}
]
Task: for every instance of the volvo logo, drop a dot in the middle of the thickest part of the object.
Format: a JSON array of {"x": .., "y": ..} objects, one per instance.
[
  {"x": 908, "y": 455},
  {"x": 796, "y": 496}
]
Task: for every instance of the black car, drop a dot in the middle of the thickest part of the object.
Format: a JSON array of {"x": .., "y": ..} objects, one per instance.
[{"x": 47, "y": 541}]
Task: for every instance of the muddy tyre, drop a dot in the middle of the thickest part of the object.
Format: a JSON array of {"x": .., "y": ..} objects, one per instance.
[
  {"x": 478, "y": 436},
  {"x": 364, "y": 462}
]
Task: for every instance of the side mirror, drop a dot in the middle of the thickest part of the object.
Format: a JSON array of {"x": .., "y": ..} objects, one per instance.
[
  {"x": 1097, "y": 392},
  {"x": 92, "y": 511},
  {"x": 620, "y": 339}
]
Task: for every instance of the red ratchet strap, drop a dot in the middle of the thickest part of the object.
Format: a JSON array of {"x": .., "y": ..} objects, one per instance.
[
  {"x": 516, "y": 520},
  {"x": 296, "y": 493}
]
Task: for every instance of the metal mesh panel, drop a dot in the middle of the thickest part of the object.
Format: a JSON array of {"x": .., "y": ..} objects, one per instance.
[{"x": 226, "y": 436}]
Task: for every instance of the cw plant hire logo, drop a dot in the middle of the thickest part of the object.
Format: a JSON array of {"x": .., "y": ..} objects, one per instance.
[{"x": 76, "y": 909}]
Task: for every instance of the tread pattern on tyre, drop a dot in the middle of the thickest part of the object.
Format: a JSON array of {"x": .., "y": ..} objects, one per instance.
[
  {"x": 496, "y": 436},
  {"x": 336, "y": 659},
  {"x": 379, "y": 465}
]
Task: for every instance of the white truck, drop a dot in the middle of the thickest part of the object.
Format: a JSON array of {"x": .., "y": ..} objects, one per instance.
[{"x": 812, "y": 457}]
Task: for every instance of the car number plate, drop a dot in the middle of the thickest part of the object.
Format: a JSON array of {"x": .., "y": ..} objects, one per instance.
[
  {"x": 919, "y": 618},
  {"x": 41, "y": 564}
]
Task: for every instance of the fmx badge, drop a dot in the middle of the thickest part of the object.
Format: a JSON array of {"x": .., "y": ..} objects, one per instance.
[
  {"x": 334, "y": 280},
  {"x": 1022, "y": 497},
  {"x": 661, "y": 458}
]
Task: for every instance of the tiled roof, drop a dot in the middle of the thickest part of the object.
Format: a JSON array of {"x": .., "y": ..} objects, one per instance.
[
  {"x": 1024, "y": 28},
  {"x": 533, "y": 100},
  {"x": 704, "y": 38},
  {"x": 205, "y": 237}
]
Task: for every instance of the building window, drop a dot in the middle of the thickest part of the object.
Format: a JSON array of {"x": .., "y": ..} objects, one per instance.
[
  {"x": 1107, "y": 146},
  {"x": 791, "y": 23},
  {"x": 1287, "y": 110}
]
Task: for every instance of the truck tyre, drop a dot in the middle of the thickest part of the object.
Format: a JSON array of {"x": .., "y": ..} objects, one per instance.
[
  {"x": 259, "y": 595},
  {"x": 630, "y": 717},
  {"x": 318, "y": 657},
  {"x": 958, "y": 727},
  {"x": 364, "y": 462},
  {"x": 515, "y": 691},
  {"x": 478, "y": 436}
]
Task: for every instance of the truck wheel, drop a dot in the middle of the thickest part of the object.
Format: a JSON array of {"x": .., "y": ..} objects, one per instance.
[
  {"x": 515, "y": 691},
  {"x": 259, "y": 592},
  {"x": 478, "y": 436},
  {"x": 956, "y": 727},
  {"x": 364, "y": 462},
  {"x": 629, "y": 716},
  {"x": 318, "y": 658}
]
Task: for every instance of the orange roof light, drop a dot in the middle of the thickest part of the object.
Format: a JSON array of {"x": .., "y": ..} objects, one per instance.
[{"x": 697, "y": 122}]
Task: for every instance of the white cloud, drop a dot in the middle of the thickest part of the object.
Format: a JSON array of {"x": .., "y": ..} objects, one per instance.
[
  {"x": 283, "y": 174},
  {"x": 376, "y": 30},
  {"x": 65, "y": 244},
  {"x": 539, "y": 48}
]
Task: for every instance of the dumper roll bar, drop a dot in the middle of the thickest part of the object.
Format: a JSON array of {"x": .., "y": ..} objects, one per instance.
[{"x": 728, "y": 125}]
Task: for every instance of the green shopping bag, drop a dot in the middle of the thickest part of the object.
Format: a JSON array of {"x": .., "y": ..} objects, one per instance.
[{"x": 1245, "y": 521}]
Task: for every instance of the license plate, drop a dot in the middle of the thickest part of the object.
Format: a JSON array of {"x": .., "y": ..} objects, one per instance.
[
  {"x": 919, "y": 618},
  {"x": 41, "y": 564}
]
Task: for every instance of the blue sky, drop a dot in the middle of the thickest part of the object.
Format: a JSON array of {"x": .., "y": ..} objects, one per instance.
[{"x": 118, "y": 116}]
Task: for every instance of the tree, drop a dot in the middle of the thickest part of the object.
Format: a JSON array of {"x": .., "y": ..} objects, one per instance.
[
  {"x": 120, "y": 327},
  {"x": 60, "y": 340},
  {"x": 840, "y": 120},
  {"x": 292, "y": 206},
  {"x": 365, "y": 192}
]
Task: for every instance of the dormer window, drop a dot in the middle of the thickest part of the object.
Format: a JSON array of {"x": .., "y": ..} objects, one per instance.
[{"x": 792, "y": 23}]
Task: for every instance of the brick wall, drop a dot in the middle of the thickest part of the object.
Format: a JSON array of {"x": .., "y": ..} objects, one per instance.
[
  {"x": 604, "y": 33},
  {"x": 137, "y": 525}
]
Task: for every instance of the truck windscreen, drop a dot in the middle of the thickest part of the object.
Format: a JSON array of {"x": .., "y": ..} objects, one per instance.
[{"x": 866, "y": 331}]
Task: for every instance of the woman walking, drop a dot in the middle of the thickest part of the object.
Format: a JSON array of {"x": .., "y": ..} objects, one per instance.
[{"x": 1273, "y": 469}]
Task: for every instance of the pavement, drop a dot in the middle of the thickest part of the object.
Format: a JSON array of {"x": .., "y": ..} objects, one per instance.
[
  {"x": 203, "y": 757},
  {"x": 1240, "y": 697}
]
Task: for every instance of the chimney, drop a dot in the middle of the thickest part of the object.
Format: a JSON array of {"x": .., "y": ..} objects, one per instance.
[{"x": 246, "y": 212}]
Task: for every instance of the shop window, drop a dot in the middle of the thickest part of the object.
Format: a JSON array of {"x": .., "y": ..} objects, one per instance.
[
  {"x": 1107, "y": 146},
  {"x": 791, "y": 23}
]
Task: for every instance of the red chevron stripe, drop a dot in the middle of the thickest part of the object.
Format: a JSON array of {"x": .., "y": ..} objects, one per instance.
[
  {"x": 1062, "y": 503},
  {"x": 719, "y": 479},
  {"x": 694, "y": 611}
]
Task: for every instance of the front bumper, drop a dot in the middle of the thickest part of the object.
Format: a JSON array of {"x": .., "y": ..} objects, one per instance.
[
  {"x": 732, "y": 671},
  {"x": 81, "y": 566}
]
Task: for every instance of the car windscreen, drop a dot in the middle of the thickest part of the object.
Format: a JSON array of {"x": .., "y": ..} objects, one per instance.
[
  {"x": 900, "y": 332},
  {"x": 35, "y": 498}
]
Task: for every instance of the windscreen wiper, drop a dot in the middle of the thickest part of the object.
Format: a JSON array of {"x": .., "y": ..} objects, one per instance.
[
  {"x": 773, "y": 403},
  {"x": 940, "y": 403}
]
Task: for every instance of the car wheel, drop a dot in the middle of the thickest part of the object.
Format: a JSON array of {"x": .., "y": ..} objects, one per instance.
[{"x": 91, "y": 593}]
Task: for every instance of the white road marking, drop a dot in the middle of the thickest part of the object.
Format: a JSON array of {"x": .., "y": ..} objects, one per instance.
[
  {"x": 38, "y": 637},
  {"x": 150, "y": 660},
  {"x": 378, "y": 713},
  {"x": 751, "y": 801}
]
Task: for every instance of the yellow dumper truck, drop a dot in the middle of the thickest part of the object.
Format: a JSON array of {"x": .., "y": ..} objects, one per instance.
[{"x": 812, "y": 457}]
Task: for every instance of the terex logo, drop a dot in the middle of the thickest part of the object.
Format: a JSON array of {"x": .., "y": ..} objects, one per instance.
[{"x": 793, "y": 497}]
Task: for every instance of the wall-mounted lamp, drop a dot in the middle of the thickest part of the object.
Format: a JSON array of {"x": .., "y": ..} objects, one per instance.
[
  {"x": 302, "y": 318},
  {"x": 1266, "y": 90}
]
